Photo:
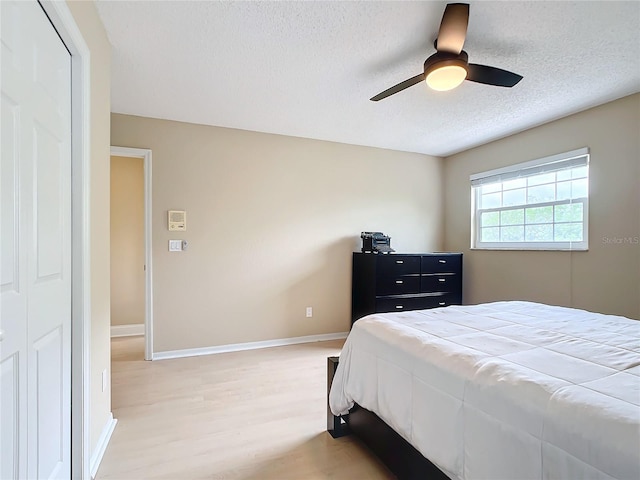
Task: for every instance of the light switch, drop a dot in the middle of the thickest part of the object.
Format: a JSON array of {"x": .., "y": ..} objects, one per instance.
[{"x": 175, "y": 245}]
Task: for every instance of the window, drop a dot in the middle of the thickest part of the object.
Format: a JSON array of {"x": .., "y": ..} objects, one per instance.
[{"x": 538, "y": 205}]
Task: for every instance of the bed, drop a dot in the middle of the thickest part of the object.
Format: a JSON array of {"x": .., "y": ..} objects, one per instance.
[{"x": 504, "y": 390}]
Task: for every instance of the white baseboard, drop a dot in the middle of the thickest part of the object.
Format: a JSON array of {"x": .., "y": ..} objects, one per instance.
[
  {"x": 127, "y": 330},
  {"x": 236, "y": 347},
  {"x": 101, "y": 447}
]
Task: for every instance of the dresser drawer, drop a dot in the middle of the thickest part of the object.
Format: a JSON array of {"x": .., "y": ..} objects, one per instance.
[
  {"x": 441, "y": 263},
  {"x": 412, "y": 303},
  {"x": 398, "y": 285},
  {"x": 444, "y": 300},
  {"x": 445, "y": 282},
  {"x": 396, "y": 265}
]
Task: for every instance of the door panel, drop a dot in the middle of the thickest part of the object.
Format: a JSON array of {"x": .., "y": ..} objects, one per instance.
[
  {"x": 9, "y": 399},
  {"x": 48, "y": 169},
  {"x": 9, "y": 275},
  {"x": 49, "y": 353}
]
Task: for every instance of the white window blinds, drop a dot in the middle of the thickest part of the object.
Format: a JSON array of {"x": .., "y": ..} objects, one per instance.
[{"x": 536, "y": 205}]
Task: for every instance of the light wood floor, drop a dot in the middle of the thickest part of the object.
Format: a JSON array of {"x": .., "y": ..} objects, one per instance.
[{"x": 252, "y": 415}]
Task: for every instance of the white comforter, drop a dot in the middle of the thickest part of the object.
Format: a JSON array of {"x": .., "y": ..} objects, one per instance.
[{"x": 505, "y": 390}]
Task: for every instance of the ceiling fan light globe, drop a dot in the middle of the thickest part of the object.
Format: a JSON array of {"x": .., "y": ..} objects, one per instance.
[{"x": 446, "y": 77}]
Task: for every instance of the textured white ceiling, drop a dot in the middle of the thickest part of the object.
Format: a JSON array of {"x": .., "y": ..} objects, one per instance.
[{"x": 308, "y": 68}]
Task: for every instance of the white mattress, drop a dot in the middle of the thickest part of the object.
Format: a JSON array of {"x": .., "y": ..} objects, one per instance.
[{"x": 505, "y": 390}]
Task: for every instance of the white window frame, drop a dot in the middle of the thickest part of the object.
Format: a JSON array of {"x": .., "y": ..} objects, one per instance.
[{"x": 574, "y": 158}]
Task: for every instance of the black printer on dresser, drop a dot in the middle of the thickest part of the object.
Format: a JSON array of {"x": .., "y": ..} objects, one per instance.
[{"x": 397, "y": 282}]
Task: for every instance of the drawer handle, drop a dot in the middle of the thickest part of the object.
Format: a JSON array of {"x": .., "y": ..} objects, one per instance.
[
  {"x": 442, "y": 303},
  {"x": 442, "y": 279},
  {"x": 399, "y": 261},
  {"x": 399, "y": 282},
  {"x": 399, "y": 307},
  {"x": 442, "y": 261}
]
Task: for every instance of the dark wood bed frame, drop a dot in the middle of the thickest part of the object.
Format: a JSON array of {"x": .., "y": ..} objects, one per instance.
[{"x": 395, "y": 452}]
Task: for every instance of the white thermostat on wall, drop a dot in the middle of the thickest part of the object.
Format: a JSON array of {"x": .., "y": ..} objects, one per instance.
[{"x": 177, "y": 220}]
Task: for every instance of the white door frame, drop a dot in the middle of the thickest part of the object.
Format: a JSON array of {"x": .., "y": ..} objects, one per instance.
[
  {"x": 145, "y": 154},
  {"x": 64, "y": 23}
]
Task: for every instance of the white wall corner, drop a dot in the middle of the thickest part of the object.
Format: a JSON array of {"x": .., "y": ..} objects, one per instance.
[
  {"x": 101, "y": 447},
  {"x": 127, "y": 330}
]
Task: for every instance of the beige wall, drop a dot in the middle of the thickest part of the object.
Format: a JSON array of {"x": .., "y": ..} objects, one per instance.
[
  {"x": 88, "y": 21},
  {"x": 272, "y": 222},
  {"x": 604, "y": 279},
  {"x": 127, "y": 240}
]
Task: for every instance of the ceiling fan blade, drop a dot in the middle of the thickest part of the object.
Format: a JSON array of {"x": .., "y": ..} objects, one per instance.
[
  {"x": 453, "y": 28},
  {"x": 399, "y": 87},
  {"x": 492, "y": 75}
]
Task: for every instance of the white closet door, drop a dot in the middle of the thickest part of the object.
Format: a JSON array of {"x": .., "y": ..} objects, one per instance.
[{"x": 35, "y": 245}]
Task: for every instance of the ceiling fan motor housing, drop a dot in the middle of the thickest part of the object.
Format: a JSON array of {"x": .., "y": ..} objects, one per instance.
[{"x": 444, "y": 59}]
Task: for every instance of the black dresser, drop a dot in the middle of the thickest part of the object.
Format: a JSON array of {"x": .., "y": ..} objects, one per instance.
[{"x": 396, "y": 282}]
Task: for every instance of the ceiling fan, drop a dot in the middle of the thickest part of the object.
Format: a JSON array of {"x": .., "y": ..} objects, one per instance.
[{"x": 449, "y": 66}]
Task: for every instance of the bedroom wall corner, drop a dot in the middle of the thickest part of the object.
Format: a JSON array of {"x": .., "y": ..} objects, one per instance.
[{"x": 604, "y": 279}]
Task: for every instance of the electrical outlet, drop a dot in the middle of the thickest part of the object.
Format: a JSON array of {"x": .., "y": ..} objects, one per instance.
[
  {"x": 104, "y": 380},
  {"x": 309, "y": 312}
]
